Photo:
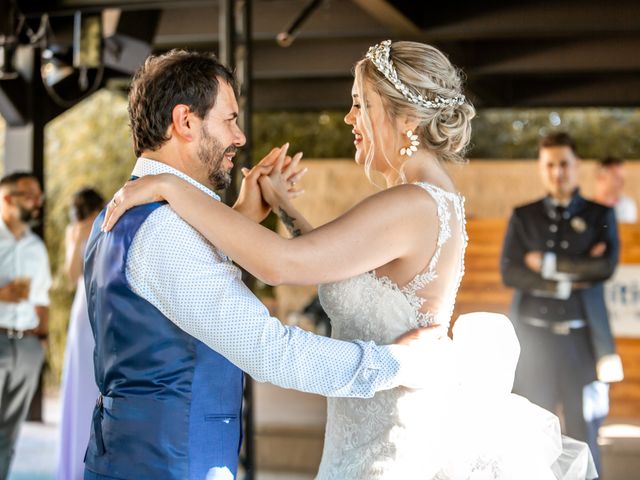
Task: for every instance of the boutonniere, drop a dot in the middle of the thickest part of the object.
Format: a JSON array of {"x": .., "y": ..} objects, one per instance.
[{"x": 578, "y": 224}]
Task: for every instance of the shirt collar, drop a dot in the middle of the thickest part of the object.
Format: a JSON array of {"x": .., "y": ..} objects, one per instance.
[
  {"x": 572, "y": 206},
  {"x": 146, "y": 166},
  {"x": 6, "y": 233}
]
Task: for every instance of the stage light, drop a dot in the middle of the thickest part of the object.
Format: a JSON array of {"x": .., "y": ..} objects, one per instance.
[{"x": 56, "y": 64}]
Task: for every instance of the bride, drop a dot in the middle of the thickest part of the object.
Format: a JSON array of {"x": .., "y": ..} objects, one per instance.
[{"x": 392, "y": 263}]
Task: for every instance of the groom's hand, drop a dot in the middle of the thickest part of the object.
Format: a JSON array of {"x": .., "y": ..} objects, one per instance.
[
  {"x": 250, "y": 200},
  {"x": 426, "y": 359},
  {"x": 421, "y": 335}
]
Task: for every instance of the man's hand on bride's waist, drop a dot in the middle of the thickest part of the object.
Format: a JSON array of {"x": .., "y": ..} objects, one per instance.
[
  {"x": 421, "y": 335},
  {"x": 422, "y": 353}
]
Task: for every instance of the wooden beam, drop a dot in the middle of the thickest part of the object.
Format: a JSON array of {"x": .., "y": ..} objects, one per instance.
[
  {"x": 33, "y": 8},
  {"x": 605, "y": 90},
  {"x": 389, "y": 16},
  {"x": 613, "y": 54},
  {"x": 609, "y": 91},
  {"x": 302, "y": 95},
  {"x": 308, "y": 59},
  {"x": 512, "y": 20}
]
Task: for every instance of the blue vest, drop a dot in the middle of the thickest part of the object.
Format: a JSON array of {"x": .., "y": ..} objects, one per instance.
[{"x": 170, "y": 407}]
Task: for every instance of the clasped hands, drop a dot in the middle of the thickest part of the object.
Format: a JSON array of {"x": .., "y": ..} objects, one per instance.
[
  {"x": 15, "y": 291},
  {"x": 270, "y": 183}
]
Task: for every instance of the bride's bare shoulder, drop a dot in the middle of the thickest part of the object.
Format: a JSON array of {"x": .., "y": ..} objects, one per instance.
[{"x": 408, "y": 199}]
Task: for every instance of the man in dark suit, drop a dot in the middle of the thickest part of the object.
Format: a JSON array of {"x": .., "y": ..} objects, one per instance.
[{"x": 557, "y": 253}]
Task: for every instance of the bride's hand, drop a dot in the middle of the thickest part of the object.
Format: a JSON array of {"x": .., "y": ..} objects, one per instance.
[
  {"x": 280, "y": 185},
  {"x": 251, "y": 199},
  {"x": 145, "y": 189}
]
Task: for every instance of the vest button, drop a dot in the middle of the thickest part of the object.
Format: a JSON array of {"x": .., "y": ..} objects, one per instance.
[{"x": 550, "y": 243}]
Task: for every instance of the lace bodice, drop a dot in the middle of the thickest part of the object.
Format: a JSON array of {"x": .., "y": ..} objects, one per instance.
[{"x": 373, "y": 438}]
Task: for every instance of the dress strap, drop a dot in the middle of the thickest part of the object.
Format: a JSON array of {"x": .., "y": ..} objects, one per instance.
[{"x": 444, "y": 216}]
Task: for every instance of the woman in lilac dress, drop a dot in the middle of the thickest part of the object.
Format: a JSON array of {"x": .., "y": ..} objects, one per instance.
[{"x": 79, "y": 390}]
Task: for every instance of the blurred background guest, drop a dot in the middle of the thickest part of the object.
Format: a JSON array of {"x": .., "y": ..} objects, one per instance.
[
  {"x": 609, "y": 188},
  {"x": 79, "y": 390},
  {"x": 557, "y": 253},
  {"x": 25, "y": 280}
]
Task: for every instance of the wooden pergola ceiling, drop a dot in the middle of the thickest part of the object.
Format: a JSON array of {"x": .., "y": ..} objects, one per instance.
[{"x": 514, "y": 54}]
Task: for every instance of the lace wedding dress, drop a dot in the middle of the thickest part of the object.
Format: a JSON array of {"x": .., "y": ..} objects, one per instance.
[{"x": 462, "y": 427}]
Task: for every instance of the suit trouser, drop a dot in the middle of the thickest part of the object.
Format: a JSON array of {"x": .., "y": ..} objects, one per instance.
[
  {"x": 20, "y": 364},
  {"x": 552, "y": 373}
]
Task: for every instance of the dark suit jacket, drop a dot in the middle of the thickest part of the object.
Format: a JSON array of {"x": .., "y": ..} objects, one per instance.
[{"x": 571, "y": 234}]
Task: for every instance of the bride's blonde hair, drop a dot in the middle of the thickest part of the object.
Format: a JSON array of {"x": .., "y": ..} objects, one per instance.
[{"x": 444, "y": 131}]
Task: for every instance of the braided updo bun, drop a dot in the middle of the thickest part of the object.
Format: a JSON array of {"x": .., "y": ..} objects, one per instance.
[{"x": 426, "y": 71}]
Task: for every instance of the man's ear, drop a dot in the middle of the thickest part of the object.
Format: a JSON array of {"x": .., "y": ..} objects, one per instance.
[
  {"x": 6, "y": 198},
  {"x": 182, "y": 124}
]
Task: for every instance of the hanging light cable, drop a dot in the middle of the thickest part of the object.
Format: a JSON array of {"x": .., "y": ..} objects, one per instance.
[{"x": 286, "y": 37}]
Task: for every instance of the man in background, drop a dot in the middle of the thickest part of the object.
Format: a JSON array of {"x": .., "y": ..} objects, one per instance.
[
  {"x": 25, "y": 280},
  {"x": 557, "y": 253},
  {"x": 609, "y": 187}
]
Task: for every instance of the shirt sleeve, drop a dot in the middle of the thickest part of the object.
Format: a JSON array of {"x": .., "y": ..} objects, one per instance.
[
  {"x": 201, "y": 291},
  {"x": 41, "y": 281}
]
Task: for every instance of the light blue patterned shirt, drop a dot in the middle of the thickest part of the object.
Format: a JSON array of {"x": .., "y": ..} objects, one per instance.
[{"x": 197, "y": 287}]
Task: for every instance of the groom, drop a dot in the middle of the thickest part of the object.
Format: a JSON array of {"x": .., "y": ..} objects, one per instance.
[{"x": 174, "y": 325}]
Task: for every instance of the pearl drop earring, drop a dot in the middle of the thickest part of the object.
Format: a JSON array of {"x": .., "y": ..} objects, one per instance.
[{"x": 413, "y": 146}]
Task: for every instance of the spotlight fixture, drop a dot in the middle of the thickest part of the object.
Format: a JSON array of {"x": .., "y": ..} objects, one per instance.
[
  {"x": 56, "y": 64},
  {"x": 73, "y": 64}
]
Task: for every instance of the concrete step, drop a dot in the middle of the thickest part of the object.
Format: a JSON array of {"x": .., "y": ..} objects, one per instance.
[{"x": 620, "y": 449}]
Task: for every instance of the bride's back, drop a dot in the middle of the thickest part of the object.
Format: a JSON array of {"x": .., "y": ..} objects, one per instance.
[
  {"x": 426, "y": 298},
  {"x": 372, "y": 438},
  {"x": 433, "y": 289}
]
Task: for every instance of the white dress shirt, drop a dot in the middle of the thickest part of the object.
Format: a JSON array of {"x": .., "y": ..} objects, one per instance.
[
  {"x": 197, "y": 287},
  {"x": 626, "y": 210},
  {"x": 25, "y": 257}
]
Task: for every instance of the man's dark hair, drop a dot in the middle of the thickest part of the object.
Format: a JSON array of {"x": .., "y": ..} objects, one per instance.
[
  {"x": 607, "y": 162},
  {"x": 557, "y": 139},
  {"x": 164, "y": 81},
  {"x": 14, "y": 178},
  {"x": 85, "y": 202}
]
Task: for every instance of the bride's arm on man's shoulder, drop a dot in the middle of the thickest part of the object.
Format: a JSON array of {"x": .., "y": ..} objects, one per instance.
[{"x": 380, "y": 229}]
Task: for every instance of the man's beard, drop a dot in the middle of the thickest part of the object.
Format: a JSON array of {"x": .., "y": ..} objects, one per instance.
[
  {"x": 211, "y": 153},
  {"x": 29, "y": 216}
]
